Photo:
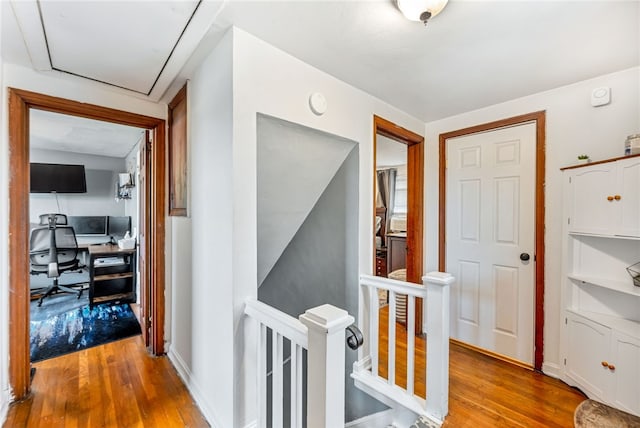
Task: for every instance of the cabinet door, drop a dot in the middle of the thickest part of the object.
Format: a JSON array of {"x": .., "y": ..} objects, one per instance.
[
  {"x": 628, "y": 190},
  {"x": 625, "y": 356},
  {"x": 590, "y": 211},
  {"x": 587, "y": 349}
]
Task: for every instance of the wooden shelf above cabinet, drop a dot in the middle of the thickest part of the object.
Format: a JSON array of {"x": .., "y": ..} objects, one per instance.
[{"x": 582, "y": 165}]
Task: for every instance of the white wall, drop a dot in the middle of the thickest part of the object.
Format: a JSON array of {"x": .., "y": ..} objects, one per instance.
[
  {"x": 269, "y": 81},
  {"x": 573, "y": 128},
  {"x": 132, "y": 166},
  {"x": 202, "y": 321},
  {"x": 50, "y": 84},
  {"x": 216, "y": 271},
  {"x": 4, "y": 283}
]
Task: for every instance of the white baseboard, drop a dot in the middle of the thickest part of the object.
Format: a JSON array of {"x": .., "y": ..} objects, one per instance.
[
  {"x": 5, "y": 400},
  {"x": 380, "y": 419},
  {"x": 193, "y": 388},
  {"x": 552, "y": 369}
]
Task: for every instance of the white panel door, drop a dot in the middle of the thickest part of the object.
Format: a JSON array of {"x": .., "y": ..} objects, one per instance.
[{"x": 490, "y": 223}]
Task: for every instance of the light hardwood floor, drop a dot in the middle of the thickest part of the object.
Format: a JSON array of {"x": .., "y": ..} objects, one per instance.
[
  {"x": 483, "y": 391},
  {"x": 120, "y": 385},
  {"x": 113, "y": 385}
]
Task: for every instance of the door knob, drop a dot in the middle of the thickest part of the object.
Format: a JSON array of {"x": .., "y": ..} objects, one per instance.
[{"x": 524, "y": 257}]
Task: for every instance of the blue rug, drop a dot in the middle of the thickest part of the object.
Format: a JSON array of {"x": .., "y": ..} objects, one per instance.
[{"x": 80, "y": 328}]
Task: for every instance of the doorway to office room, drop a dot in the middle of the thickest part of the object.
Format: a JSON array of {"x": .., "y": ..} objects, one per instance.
[
  {"x": 152, "y": 233},
  {"x": 84, "y": 175}
]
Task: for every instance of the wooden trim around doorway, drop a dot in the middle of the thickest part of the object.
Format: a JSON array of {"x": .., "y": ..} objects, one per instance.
[
  {"x": 415, "y": 199},
  {"x": 539, "y": 118},
  {"x": 20, "y": 102}
]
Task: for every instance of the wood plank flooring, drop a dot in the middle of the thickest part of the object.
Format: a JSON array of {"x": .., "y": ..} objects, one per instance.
[
  {"x": 114, "y": 385},
  {"x": 120, "y": 385},
  {"x": 483, "y": 391}
]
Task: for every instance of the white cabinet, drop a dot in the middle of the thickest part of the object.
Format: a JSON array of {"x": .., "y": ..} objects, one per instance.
[
  {"x": 604, "y": 199},
  {"x": 601, "y": 331},
  {"x": 628, "y": 179},
  {"x": 587, "y": 351},
  {"x": 625, "y": 363},
  {"x": 604, "y": 363}
]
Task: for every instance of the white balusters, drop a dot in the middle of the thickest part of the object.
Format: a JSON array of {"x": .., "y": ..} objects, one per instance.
[
  {"x": 296, "y": 385},
  {"x": 321, "y": 331},
  {"x": 277, "y": 370},
  {"x": 436, "y": 295},
  {"x": 411, "y": 342},
  {"x": 262, "y": 377},
  {"x": 391, "y": 344},
  {"x": 374, "y": 326}
]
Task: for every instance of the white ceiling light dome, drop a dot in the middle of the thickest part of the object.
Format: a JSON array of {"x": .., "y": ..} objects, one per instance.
[{"x": 421, "y": 10}]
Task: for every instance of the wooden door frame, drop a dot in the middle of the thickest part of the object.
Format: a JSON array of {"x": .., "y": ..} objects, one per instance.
[
  {"x": 20, "y": 102},
  {"x": 539, "y": 118},
  {"x": 415, "y": 199}
]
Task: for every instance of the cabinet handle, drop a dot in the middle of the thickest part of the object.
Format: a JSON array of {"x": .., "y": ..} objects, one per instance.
[
  {"x": 609, "y": 198},
  {"x": 617, "y": 197},
  {"x": 612, "y": 367},
  {"x": 604, "y": 364}
]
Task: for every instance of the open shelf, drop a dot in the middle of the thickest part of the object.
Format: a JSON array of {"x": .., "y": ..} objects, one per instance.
[
  {"x": 626, "y": 287},
  {"x": 631, "y": 238}
]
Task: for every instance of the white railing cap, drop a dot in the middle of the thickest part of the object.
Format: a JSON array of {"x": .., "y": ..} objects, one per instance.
[
  {"x": 442, "y": 278},
  {"x": 326, "y": 317}
]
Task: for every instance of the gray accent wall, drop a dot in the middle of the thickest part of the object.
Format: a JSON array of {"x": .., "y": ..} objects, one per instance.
[
  {"x": 320, "y": 262},
  {"x": 295, "y": 164}
]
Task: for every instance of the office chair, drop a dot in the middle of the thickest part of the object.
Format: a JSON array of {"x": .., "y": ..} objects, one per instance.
[
  {"x": 59, "y": 219},
  {"x": 54, "y": 250}
]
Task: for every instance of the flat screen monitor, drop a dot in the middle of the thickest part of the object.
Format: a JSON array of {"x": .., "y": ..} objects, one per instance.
[
  {"x": 88, "y": 225},
  {"x": 118, "y": 226},
  {"x": 59, "y": 178}
]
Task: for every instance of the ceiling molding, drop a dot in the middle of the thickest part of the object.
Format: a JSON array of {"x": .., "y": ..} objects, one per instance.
[
  {"x": 200, "y": 23},
  {"x": 30, "y": 22},
  {"x": 28, "y": 17}
]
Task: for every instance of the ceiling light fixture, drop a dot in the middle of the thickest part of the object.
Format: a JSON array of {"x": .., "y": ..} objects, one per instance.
[{"x": 421, "y": 10}]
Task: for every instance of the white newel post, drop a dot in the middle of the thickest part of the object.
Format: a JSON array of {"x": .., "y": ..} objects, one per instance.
[
  {"x": 325, "y": 365},
  {"x": 438, "y": 289}
]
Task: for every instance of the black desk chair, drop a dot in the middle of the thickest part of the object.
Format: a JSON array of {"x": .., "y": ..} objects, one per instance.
[{"x": 53, "y": 251}]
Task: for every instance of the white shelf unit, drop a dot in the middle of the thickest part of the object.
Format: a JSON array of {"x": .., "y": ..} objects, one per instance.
[{"x": 601, "y": 332}]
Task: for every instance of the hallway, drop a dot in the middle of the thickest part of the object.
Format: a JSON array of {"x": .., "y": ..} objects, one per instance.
[
  {"x": 115, "y": 385},
  {"x": 484, "y": 391}
]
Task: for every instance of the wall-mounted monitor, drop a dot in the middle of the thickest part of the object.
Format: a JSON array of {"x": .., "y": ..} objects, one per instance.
[
  {"x": 59, "y": 178},
  {"x": 88, "y": 225}
]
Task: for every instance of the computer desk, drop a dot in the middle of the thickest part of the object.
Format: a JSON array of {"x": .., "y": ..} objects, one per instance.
[{"x": 112, "y": 274}]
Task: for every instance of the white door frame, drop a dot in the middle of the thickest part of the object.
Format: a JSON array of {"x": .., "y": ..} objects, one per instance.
[{"x": 539, "y": 118}]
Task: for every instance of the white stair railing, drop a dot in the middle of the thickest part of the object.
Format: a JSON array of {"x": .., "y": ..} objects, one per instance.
[
  {"x": 436, "y": 294},
  {"x": 321, "y": 332}
]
